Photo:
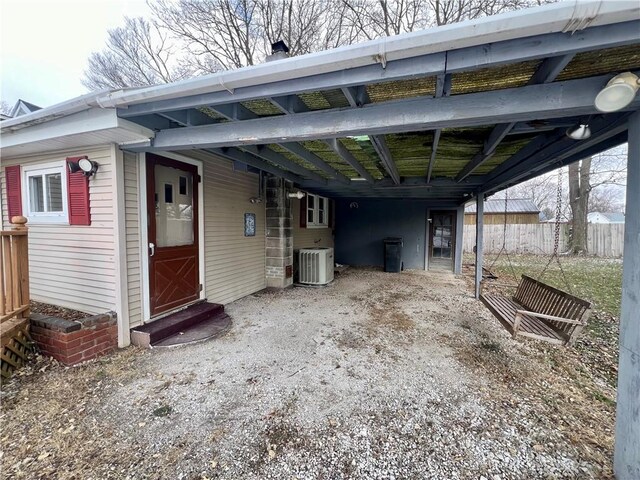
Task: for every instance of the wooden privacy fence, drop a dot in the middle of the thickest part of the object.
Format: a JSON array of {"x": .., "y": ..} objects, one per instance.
[
  {"x": 603, "y": 240},
  {"x": 14, "y": 295}
]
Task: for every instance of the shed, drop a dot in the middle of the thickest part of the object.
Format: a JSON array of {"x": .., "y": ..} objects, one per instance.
[{"x": 518, "y": 211}]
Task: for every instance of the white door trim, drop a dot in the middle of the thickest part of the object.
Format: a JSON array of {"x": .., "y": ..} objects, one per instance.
[{"x": 144, "y": 232}]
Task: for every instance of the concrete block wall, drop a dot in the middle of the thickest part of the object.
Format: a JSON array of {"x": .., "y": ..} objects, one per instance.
[
  {"x": 73, "y": 342},
  {"x": 279, "y": 240}
]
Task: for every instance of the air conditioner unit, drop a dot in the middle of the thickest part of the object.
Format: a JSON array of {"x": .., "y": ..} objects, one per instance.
[{"x": 315, "y": 265}]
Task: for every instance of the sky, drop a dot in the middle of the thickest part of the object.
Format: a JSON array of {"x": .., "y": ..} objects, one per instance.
[{"x": 44, "y": 45}]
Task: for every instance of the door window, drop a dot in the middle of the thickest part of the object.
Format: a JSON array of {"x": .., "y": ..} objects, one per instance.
[
  {"x": 442, "y": 236},
  {"x": 174, "y": 209}
]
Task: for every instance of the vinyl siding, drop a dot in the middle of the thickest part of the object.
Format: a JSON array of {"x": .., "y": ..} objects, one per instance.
[
  {"x": 74, "y": 266},
  {"x": 308, "y": 237},
  {"x": 133, "y": 238},
  {"x": 234, "y": 264}
]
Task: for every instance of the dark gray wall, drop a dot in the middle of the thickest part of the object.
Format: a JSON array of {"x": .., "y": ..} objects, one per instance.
[{"x": 359, "y": 231}]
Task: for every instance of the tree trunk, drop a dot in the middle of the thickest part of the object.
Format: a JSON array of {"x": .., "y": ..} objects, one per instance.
[{"x": 579, "y": 190}]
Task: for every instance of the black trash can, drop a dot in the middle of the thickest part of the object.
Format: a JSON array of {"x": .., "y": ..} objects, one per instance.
[{"x": 392, "y": 254}]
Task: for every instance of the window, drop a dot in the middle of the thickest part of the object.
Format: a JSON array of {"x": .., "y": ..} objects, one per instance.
[
  {"x": 45, "y": 196},
  {"x": 317, "y": 211}
]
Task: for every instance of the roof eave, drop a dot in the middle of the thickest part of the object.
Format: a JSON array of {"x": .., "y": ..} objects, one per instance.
[{"x": 560, "y": 17}]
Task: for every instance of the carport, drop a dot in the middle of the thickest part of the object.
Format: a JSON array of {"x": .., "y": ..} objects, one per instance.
[{"x": 401, "y": 129}]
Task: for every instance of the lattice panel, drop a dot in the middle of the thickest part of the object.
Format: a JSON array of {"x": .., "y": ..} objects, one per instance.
[{"x": 14, "y": 353}]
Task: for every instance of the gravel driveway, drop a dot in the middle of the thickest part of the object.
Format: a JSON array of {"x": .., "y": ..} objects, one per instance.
[{"x": 375, "y": 376}]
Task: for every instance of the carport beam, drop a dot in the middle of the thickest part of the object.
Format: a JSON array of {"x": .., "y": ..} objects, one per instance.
[
  {"x": 626, "y": 462},
  {"x": 479, "y": 240}
]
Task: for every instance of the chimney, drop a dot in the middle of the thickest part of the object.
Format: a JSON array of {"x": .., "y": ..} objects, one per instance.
[{"x": 279, "y": 50}]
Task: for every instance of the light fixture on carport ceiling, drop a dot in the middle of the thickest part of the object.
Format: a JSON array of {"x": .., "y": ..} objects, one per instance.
[
  {"x": 618, "y": 93},
  {"x": 579, "y": 132}
]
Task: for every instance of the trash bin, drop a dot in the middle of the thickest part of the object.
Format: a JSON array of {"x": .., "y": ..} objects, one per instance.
[{"x": 392, "y": 254}]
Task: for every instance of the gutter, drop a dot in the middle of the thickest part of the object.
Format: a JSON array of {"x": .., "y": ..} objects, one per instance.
[{"x": 568, "y": 16}]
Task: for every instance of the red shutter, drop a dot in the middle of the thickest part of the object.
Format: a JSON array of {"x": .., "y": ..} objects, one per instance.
[
  {"x": 332, "y": 215},
  {"x": 14, "y": 191},
  {"x": 78, "y": 194},
  {"x": 303, "y": 212}
]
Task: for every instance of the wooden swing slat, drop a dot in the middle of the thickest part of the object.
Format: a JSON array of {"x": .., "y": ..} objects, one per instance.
[{"x": 540, "y": 311}]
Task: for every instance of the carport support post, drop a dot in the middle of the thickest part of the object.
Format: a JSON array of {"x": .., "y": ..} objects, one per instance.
[
  {"x": 457, "y": 268},
  {"x": 279, "y": 240},
  {"x": 479, "y": 240},
  {"x": 626, "y": 458}
]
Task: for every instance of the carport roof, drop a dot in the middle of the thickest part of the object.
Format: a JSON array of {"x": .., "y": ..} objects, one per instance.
[{"x": 445, "y": 113}]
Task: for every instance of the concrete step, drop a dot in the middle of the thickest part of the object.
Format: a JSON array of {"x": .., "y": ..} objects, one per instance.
[
  {"x": 212, "y": 327},
  {"x": 151, "y": 333}
]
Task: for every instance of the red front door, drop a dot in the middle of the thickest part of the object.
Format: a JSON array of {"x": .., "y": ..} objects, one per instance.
[{"x": 172, "y": 212}]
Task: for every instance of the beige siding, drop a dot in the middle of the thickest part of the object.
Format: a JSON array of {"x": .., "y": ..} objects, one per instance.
[
  {"x": 133, "y": 236},
  {"x": 234, "y": 264},
  {"x": 308, "y": 237},
  {"x": 74, "y": 266}
]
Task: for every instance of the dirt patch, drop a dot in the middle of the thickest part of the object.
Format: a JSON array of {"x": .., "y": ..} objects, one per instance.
[
  {"x": 376, "y": 376},
  {"x": 55, "y": 311}
]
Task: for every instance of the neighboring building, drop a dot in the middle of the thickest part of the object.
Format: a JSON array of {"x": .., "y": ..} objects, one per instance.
[
  {"x": 519, "y": 210},
  {"x": 22, "y": 108},
  {"x": 605, "y": 217}
]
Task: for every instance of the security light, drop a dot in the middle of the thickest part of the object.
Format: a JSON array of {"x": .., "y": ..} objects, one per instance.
[
  {"x": 299, "y": 195},
  {"x": 579, "y": 132},
  {"x": 82, "y": 164},
  {"x": 618, "y": 93}
]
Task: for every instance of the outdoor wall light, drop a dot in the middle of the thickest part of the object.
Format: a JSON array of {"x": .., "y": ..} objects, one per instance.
[
  {"x": 299, "y": 195},
  {"x": 618, "y": 93},
  {"x": 82, "y": 164},
  {"x": 579, "y": 132}
]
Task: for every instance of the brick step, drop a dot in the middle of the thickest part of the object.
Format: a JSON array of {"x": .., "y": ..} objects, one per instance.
[{"x": 153, "y": 332}]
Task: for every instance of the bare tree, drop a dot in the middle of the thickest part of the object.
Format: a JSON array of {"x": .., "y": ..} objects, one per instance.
[
  {"x": 605, "y": 199},
  {"x": 5, "y": 109},
  {"x": 136, "y": 54},
  {"x": 594, "y": 183},
  {"x": 219, "y": 34},
  {"x": 370, "y": 20},
  {"x": 579, "y": 191},
  {"x": 541, "y": 190}
]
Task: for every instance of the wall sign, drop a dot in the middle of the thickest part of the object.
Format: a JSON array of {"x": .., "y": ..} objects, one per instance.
[{"x": 249, "y": 224}]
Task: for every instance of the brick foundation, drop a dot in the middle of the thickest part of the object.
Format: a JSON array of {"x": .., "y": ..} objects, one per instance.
[{"x": 75, "y": 341}]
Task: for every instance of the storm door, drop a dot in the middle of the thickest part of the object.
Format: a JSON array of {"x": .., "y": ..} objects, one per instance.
[
  {"x": 172, "y": 212},
  {"x": 442, "y": 241}
]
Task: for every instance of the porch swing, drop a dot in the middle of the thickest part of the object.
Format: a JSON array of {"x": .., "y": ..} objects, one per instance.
[{"x": 538, "y": 310}]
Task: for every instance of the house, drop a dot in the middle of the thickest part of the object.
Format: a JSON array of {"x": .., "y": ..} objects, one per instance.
[
  {"x": 192, "y": 189},
  {"x": 23, "y": 107},
  {"x": 518, "y": 210},
  {"x": 606, "y": 217}
]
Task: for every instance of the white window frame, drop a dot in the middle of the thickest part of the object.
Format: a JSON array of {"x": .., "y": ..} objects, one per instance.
[
  {"x": 29, "y": 171},
  {"x": 316, "y": 211}
]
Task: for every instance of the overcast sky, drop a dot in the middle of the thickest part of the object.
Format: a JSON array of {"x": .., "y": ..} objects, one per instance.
[{"x": 44, "y": 44}]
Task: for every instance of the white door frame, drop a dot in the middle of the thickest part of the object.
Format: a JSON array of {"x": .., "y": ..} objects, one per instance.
[
  {"x": 144, "y": 231},
  {"x": 456, "y": 212}
]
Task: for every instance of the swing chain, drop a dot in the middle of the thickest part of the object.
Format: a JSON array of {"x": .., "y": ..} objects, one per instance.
[{"x": 556, "y": 240}]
